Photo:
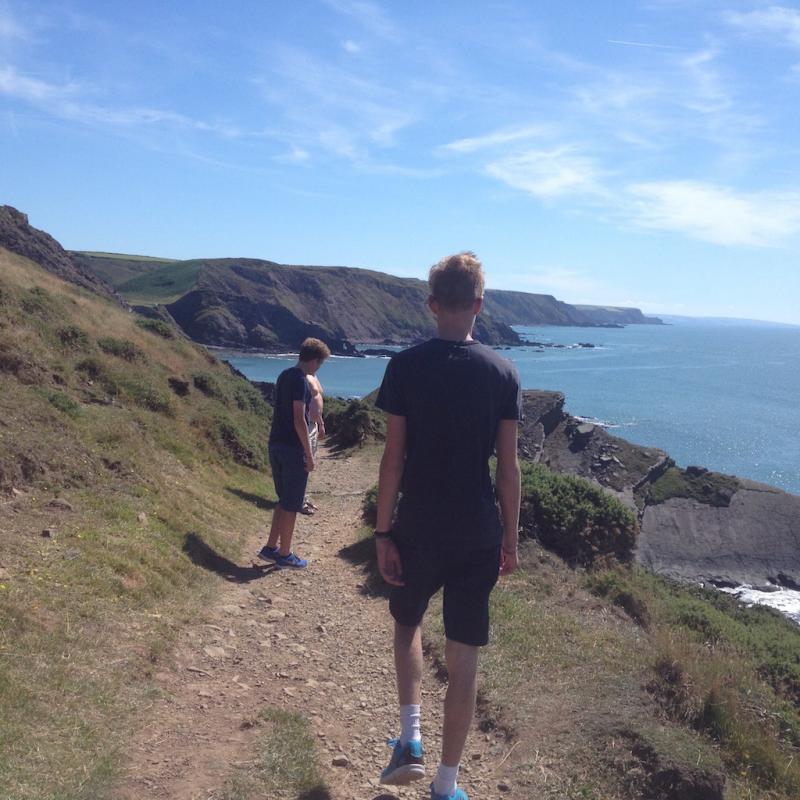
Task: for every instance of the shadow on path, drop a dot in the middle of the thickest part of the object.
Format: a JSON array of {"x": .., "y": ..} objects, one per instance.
[
  {"x": 208, "y": 558},
  {"x": 362, "y": 554},
  {"x": 320, "y": 792},
  {"x": 256, "y": 499}
]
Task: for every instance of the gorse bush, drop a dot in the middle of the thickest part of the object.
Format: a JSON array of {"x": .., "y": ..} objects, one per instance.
[
  {"x": 574, "y": 518},
  {"x": 121, "y": 348},
  {"x": 157, "y": 326},
  {"x": 353, "y": 423}
]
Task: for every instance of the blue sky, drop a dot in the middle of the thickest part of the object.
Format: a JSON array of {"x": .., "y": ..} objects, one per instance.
[{"x": 630, "y": 153}]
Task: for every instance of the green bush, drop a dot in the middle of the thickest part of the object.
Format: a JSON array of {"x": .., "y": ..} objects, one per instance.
[
  {"x": 248, "y": 398},
  {"x": 63, "y": 403},
  {"x": 157, "y": 326},
  {"x": 208, "y": 385},
  {"x": 147, "y": 396},
  {"x": 73, "y": 337},
  {"x": 121, "y": 348},
  {"x": 369, "y": 506},
  {"x": 353, "y": 423},
  {"x": 574, "y": 518},
  {"x": 235, "y": 441},
  {"x": 36, "y": 301}
]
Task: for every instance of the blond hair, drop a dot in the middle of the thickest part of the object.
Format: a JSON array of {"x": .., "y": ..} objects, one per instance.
[
  {"x": 313, "y": 348},
  {"x": 456, "y": 281}
]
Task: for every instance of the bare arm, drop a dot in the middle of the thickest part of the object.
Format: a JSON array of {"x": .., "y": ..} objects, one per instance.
[
  {"x": 299, "y": 415},
  {"x": 508, "y": 491},
  {"x": 389, "y": 478}
]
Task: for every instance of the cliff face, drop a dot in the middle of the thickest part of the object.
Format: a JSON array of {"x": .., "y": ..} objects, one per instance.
[
  {"x": 263, "y": 305},
  {"x": 695, "y": 525},
  {"x": 19, "y": 237},
  {"x": 616, "y": 315}
]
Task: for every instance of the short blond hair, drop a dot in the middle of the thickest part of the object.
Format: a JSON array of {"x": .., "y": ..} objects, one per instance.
[
  {"x": 456, "y": 282},
  {"x": 313, "y": 348}
]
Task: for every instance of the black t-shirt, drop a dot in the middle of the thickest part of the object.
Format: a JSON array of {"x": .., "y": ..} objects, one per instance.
[
  {"x": 453, "y": 396},
  {"x": 290, "y": 386}
]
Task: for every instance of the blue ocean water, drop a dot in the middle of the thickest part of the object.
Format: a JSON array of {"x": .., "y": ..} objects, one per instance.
[{"x": 718, "y": 395}]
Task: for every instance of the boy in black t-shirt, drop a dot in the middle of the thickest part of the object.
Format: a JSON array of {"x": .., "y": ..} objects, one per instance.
[
  {"x": 290, "y": 453},
  {"x": 451, "y": 402}
]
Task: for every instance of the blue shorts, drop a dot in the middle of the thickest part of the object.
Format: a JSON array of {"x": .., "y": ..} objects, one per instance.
[{"x": 289, "y": 474}]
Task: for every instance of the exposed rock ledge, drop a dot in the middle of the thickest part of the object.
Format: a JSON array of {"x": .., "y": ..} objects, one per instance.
[{"x": 753, "y": 537}]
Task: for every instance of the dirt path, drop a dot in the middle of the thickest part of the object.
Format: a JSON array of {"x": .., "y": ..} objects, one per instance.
[{"x": 315, "y": 641}]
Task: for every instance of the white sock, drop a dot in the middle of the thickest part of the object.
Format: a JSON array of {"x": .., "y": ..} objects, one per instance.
[
  {"x": 445, "y": 780},
  {"x": 409, "y": 724}
]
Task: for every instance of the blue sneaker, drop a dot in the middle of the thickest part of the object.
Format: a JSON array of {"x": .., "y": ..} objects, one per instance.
[
  {"x": 293, "y": 561},
  {"x": 267, "y": 553},
  {"x": 459, "y": 794},
  {"x": 405, "y": 765}
]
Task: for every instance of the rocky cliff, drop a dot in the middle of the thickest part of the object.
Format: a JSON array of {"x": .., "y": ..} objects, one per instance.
[
  {"x": 695, "y": 525},
  {"x": 18, "y": 236},
  {"x": 269, "y": 306},
  {"x": 244, "y": 303}
]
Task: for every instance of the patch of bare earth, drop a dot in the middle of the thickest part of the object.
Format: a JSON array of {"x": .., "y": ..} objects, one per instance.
[{"x": 317, "y": 642}]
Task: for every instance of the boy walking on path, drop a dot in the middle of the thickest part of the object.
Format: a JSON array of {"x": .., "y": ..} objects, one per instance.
[
  {"x": 450, "y": 403},
  {"x": 290, "y": 452}
]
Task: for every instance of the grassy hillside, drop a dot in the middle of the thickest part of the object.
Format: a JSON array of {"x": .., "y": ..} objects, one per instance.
[
  {"x": 616, "y": 684},
  {"x": 117, "y": 268},
  {"x": 121, "y": 445}
]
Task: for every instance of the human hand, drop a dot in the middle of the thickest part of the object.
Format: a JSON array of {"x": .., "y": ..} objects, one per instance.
[
  {"x": 389, "y": 563},
  {"x": 509, "y": 560},
  {"x": 308, "y": 462}
]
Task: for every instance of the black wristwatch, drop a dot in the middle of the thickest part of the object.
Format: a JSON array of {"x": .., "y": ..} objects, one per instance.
[{"x": 382, "y": 534}]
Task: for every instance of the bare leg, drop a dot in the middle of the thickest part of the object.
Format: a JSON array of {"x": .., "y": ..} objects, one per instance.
[
  {"x": 282, "y": 529},
  {"x": 408, "y": 663},
  {"x": 459, "y": 703}
]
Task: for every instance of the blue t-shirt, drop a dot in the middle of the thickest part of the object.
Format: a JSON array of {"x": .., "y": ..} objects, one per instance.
[
  {"x": 290, "y": 386},
  {"x": 453, "y": 396}
]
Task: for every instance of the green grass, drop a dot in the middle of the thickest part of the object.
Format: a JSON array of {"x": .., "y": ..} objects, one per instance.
[
  {"x": 710, "y": 488},
  {"x": 163, "y": 285},
  {"x": 286, "y": 763},
  {"x": 86, "y": 615}
]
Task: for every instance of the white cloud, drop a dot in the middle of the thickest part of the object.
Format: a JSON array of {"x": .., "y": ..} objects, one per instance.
[
  {"x": 351, "y": 47},
  {"x": 772, "y": 21},
  {"x": 548, "y": 173},
  {"x": 369, "y": 15},
  {"x": 505, "y": 136},
  {"x": 65, "y": 101},
  {"x": 716, "y": 214}
]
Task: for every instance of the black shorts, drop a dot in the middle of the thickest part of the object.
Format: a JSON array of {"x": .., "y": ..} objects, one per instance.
[
  {"x": 289, "y": 474},
  {"x": 468, "y": 577}
]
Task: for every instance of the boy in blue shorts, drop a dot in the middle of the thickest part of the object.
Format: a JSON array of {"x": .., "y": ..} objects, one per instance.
[
  {"x": 451, "y": 402},
  {"x": 290, "y": 452}
]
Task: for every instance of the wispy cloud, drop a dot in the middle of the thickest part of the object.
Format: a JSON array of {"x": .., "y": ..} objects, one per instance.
[
  {"x": 66, "y": 101},
  {"x": 369, "y": 15},
  {"x": 490, "y": 140},
  {"x": 716, "y": 214},
  {"x": 548, "y": 173},
  {"x": 333, "y": 106},
  {"x": 645, "y": 44},
  {"x": 773, "y": 21}
]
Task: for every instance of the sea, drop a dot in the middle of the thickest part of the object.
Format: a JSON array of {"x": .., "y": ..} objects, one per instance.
[{"x": 718, "y": 394}]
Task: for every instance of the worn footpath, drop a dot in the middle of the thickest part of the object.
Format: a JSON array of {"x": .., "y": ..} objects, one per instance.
[{"x": 316, "y": 641}]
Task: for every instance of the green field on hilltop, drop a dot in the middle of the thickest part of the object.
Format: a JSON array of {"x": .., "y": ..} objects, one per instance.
[{"x": 163, "y": 285}]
